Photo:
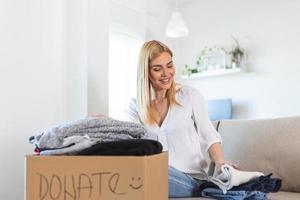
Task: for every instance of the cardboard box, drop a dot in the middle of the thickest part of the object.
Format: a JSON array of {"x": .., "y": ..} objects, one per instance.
[{"x": 97, "y": 177}]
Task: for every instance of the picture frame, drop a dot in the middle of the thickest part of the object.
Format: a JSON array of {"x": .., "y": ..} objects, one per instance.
[{"x": 214, "y": 59}]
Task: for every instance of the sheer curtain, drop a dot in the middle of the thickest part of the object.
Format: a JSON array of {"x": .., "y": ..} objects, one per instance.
[{"x": 124, "y": 49}]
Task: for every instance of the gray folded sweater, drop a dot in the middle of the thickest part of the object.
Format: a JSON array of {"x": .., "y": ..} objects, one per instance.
[{"x": 98, "y": 129}]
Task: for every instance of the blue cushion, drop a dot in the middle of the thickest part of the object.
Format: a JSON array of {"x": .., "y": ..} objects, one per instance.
[{"x": 219, "y": 109}]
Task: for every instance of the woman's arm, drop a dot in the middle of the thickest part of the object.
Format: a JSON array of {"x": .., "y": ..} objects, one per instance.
[
  {"x": 210, "y": 138},
  {"x": 217, "y": 154},
  {"x": 208, "y": 134},
  {"x": 100, "y": 116}
]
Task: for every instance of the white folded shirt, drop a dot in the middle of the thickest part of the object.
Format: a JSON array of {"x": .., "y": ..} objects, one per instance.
[{"x": 230, "y": 177}]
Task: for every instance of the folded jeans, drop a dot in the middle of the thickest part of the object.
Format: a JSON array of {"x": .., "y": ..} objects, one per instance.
[{"x": 233, "y": 195}]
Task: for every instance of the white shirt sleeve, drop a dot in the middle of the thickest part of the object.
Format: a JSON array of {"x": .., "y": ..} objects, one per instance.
[
  {"x": 207, "y": 133},
  {"x": 132, "y": 113}
]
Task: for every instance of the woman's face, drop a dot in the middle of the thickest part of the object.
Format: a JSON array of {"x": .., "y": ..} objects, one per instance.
[{"x": 161, "y": 71}]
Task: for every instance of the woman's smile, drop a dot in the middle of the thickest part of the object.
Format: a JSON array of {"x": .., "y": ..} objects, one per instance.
[{"x": 165, "y": 81}]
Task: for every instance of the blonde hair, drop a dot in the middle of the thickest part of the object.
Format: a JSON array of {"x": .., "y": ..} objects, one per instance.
[{"x": 149, "y": 51}]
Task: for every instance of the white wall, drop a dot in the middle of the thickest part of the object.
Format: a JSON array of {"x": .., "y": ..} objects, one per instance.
[
  {"x": 269, "y": 30},
  {"x": 97, "y": 56},
  {"x": 30, "y": 82},
  {"x": 146, "y": 18},
  {"x": 48, "y": 50},
  {"x": 74, "y": 59}
]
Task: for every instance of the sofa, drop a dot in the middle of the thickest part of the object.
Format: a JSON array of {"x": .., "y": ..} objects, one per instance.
[{"x": 265, "y": 145}]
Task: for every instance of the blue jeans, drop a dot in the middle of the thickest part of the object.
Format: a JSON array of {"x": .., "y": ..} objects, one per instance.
[
  {"x": 233, "y": 195},
  {"x": 183, "y": 185}
]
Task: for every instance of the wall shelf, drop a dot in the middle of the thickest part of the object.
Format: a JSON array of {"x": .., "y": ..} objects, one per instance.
[{"x": 210, "y": 73}]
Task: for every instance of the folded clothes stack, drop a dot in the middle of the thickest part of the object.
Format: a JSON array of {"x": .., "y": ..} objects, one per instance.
[
  {"x": 79, "y": 136},
  {"x": 134, "y": 147},
  {"x": 232, "y": 183}
]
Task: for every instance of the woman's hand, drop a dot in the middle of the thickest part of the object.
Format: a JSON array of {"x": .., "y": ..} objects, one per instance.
[
  {"x": 100, "y": 116},
  {"x": 228, "y": 162},
  {"x": 216, "y": 152}
]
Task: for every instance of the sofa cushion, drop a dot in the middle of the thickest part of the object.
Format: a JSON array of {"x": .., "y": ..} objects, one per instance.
[
  {"x": 266, "y": 145},
  {"x": 284, "y": 196}
]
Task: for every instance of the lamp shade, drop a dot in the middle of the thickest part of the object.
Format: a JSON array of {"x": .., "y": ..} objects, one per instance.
[{"x": 176, "y": 27}]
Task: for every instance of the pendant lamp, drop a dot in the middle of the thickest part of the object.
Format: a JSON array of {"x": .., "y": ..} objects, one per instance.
[{"x": 176, "y": 27}]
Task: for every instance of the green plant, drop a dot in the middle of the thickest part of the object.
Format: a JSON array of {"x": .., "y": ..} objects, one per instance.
[
  {"x": 200, "y": 60},
  {"x": 188, "y": 70},
  {"x": 237, "y": 53}
]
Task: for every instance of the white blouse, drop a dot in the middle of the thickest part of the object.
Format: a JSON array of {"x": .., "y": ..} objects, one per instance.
[{"x": 186, "y": 133}]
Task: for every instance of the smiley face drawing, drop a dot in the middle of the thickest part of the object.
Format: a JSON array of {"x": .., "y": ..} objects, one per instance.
[{"x": 136, "y": 183}]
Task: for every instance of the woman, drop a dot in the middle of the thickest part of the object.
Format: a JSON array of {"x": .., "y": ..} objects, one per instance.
[{"x": 175, "y": 115}]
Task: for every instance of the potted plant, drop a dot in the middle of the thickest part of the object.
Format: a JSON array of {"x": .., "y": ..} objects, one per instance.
[{"x": 237, "y": 54}]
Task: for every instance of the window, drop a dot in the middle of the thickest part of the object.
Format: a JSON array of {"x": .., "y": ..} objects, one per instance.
[{"x": 124, "y": 47}]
